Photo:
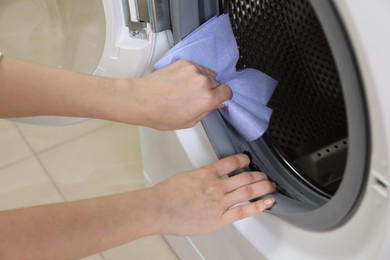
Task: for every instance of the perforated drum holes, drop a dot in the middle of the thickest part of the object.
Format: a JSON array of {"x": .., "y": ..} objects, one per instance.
[
  {"x": 333, "y": 148},
  {"x": 285, "y": 40}
]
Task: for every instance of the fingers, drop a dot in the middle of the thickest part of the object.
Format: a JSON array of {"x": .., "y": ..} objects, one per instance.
[
  {"x": 247, "y": 210},
  {"x": 212, "y": 75},
  {"x": 206, "y": 71},
  {"x": 230, "y": 164},
  {"x": 248, "y": 192},
  {"x": 222, "y": 93},
  {"x": 243, "y": 179}
]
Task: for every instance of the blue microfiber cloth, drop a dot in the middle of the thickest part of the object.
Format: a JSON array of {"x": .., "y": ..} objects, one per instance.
[{"x": 214, "y": 46}]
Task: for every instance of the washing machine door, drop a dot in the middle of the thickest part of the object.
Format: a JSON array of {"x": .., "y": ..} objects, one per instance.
[
  {"x": 317, "y": 146},
  {"x": 101, "y": 37}
]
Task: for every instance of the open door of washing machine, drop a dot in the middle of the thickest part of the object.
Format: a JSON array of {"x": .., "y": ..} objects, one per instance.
[{"x": 120, "y": 38}]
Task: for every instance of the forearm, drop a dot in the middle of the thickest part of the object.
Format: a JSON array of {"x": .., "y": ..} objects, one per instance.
[
  {"x": 75, "y": 229},
  {"x": 28, "y": 89},
  {"x": 177, "y": 96}
]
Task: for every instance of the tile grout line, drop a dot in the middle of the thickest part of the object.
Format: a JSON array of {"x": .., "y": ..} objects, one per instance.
[
  {"x": 62, "y": 142},
  {"x": 5, "y": 166},
  {"x": 36, "y": 157}
]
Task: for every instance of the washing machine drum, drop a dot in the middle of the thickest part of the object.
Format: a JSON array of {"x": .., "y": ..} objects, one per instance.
[{"x": 316, "y": 145}]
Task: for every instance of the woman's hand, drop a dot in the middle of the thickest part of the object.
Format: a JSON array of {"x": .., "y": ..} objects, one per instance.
[
  {"x": 203, "y": 201},
  {"x": 196, "y": 202},
  {"x": 175, "y": 97}
]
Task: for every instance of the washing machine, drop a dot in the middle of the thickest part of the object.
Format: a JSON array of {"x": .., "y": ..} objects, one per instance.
[{"x": 327, "y": 144}]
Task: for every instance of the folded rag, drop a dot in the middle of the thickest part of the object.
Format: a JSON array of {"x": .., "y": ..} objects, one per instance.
[{"x": 214, "y": 46}]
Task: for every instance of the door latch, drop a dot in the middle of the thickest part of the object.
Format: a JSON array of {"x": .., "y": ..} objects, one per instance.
[{"x": 139, "y": 13}]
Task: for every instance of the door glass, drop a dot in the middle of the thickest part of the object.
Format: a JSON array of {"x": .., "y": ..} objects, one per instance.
[{"x": 68, "y": 34}]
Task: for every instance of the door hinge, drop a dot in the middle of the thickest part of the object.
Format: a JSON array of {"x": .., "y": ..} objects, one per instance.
[{"x": 139, "y": 13}]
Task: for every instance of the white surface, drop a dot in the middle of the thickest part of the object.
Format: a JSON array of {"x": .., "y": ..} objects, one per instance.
[
  {"x": 88, "y": 36},
  {"x": 371, "y": 39},
  {"x": 124, "y": 56},
  {"x": 66, "y": 34}
]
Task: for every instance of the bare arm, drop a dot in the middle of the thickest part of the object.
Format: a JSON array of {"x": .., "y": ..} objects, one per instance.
[
  {"x": 191, "y": 203},
  {"x": 196, "y": 202},
  {"x": 157, "y": 100}
]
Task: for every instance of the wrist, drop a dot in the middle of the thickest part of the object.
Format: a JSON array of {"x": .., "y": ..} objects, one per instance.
[
  {"x": 152, "y": 212},
  {"x": 123, "y": 105}
]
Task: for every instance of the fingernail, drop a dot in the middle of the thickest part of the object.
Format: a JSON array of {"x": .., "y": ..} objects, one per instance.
[
  {"x": 269, "y": 201},
  {"x": 223, "y": 105}
]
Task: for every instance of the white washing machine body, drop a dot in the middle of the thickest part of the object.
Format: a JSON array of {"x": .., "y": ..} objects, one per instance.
[{"x": 366, "y": 234}]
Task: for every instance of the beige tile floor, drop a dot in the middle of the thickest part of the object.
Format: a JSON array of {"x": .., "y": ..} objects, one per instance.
[{"x": 45, "y": 164}]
